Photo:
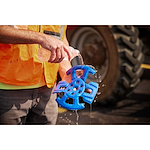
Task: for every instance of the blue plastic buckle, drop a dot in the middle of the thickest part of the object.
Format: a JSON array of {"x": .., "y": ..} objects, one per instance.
[{"x": 76, "y": 88}]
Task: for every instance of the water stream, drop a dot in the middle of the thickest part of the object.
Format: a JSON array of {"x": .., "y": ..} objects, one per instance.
[
  {"x": 90, "y": 112},
  {"x": 77, "y": 117},
  {"x": 98, "y": 78}
]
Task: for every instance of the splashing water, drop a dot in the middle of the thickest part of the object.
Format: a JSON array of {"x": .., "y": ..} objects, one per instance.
[
  {"x": 98, "y": 78},
  {"x": 98, "y": 93},
  {"x": 94, "y": 100},
  {"x": 103, "y": 85},
  {"x": 90, "y": 112},
  {"x": 77, "y": 117}
]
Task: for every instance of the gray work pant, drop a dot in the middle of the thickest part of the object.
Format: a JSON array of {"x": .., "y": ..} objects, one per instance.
[{"x": 28, "y": 106}]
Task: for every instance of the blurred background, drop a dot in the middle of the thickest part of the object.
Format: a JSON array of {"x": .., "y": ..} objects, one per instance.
[{"x": 121, "y": 57}]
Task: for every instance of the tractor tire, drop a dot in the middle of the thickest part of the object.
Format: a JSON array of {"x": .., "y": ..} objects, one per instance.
[{"x": 116, "y": 53}]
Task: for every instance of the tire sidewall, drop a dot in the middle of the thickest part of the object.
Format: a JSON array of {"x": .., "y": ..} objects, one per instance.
[{"x": 110, "y": 80}]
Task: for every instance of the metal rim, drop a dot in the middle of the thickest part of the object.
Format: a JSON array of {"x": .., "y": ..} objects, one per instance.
[{"x": 85, "y": 35}]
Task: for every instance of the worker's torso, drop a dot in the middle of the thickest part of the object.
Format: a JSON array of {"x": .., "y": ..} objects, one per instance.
[{"x": 19, "y": 63}]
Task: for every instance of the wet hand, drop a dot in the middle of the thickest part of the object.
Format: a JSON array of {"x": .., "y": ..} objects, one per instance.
[{"x": 58, "y": 49}]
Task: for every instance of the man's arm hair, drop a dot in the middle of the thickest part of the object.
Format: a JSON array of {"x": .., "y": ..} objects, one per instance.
[{"x": 11, "y": 35}]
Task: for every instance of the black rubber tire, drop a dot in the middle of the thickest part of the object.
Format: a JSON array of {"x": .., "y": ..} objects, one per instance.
[
  {"x": 125, "y": 58},
  {"x": 130, "y": 59}
]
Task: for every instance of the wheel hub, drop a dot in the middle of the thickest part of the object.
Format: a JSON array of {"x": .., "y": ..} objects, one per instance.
[{"x": 94, "y": 53}]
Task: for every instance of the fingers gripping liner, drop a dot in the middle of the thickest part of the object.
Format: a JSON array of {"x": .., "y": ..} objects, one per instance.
[{"x": 76, "y": 88}]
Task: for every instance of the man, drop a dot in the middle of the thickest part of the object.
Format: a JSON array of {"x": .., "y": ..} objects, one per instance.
[{"x": 26, "y": 83}]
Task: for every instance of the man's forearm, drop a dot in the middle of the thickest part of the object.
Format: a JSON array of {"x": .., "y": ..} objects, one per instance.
[{"x": 10, "y": 35}]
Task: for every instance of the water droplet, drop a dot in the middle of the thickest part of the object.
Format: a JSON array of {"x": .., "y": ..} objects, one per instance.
[
  {"x": 95, "y": 76},
  {"x": 99, "y": 76},
  {"x": 98, "y": 93},
  {"x": 77, "y": 117},
  {"x": 99, "y": 81},
  {"x": 103, "y": 85}
]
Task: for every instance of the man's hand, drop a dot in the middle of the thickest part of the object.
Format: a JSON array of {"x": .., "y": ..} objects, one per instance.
[
  {"x": 11, "y": 35},
  {"x": 58, "y": 49}
]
